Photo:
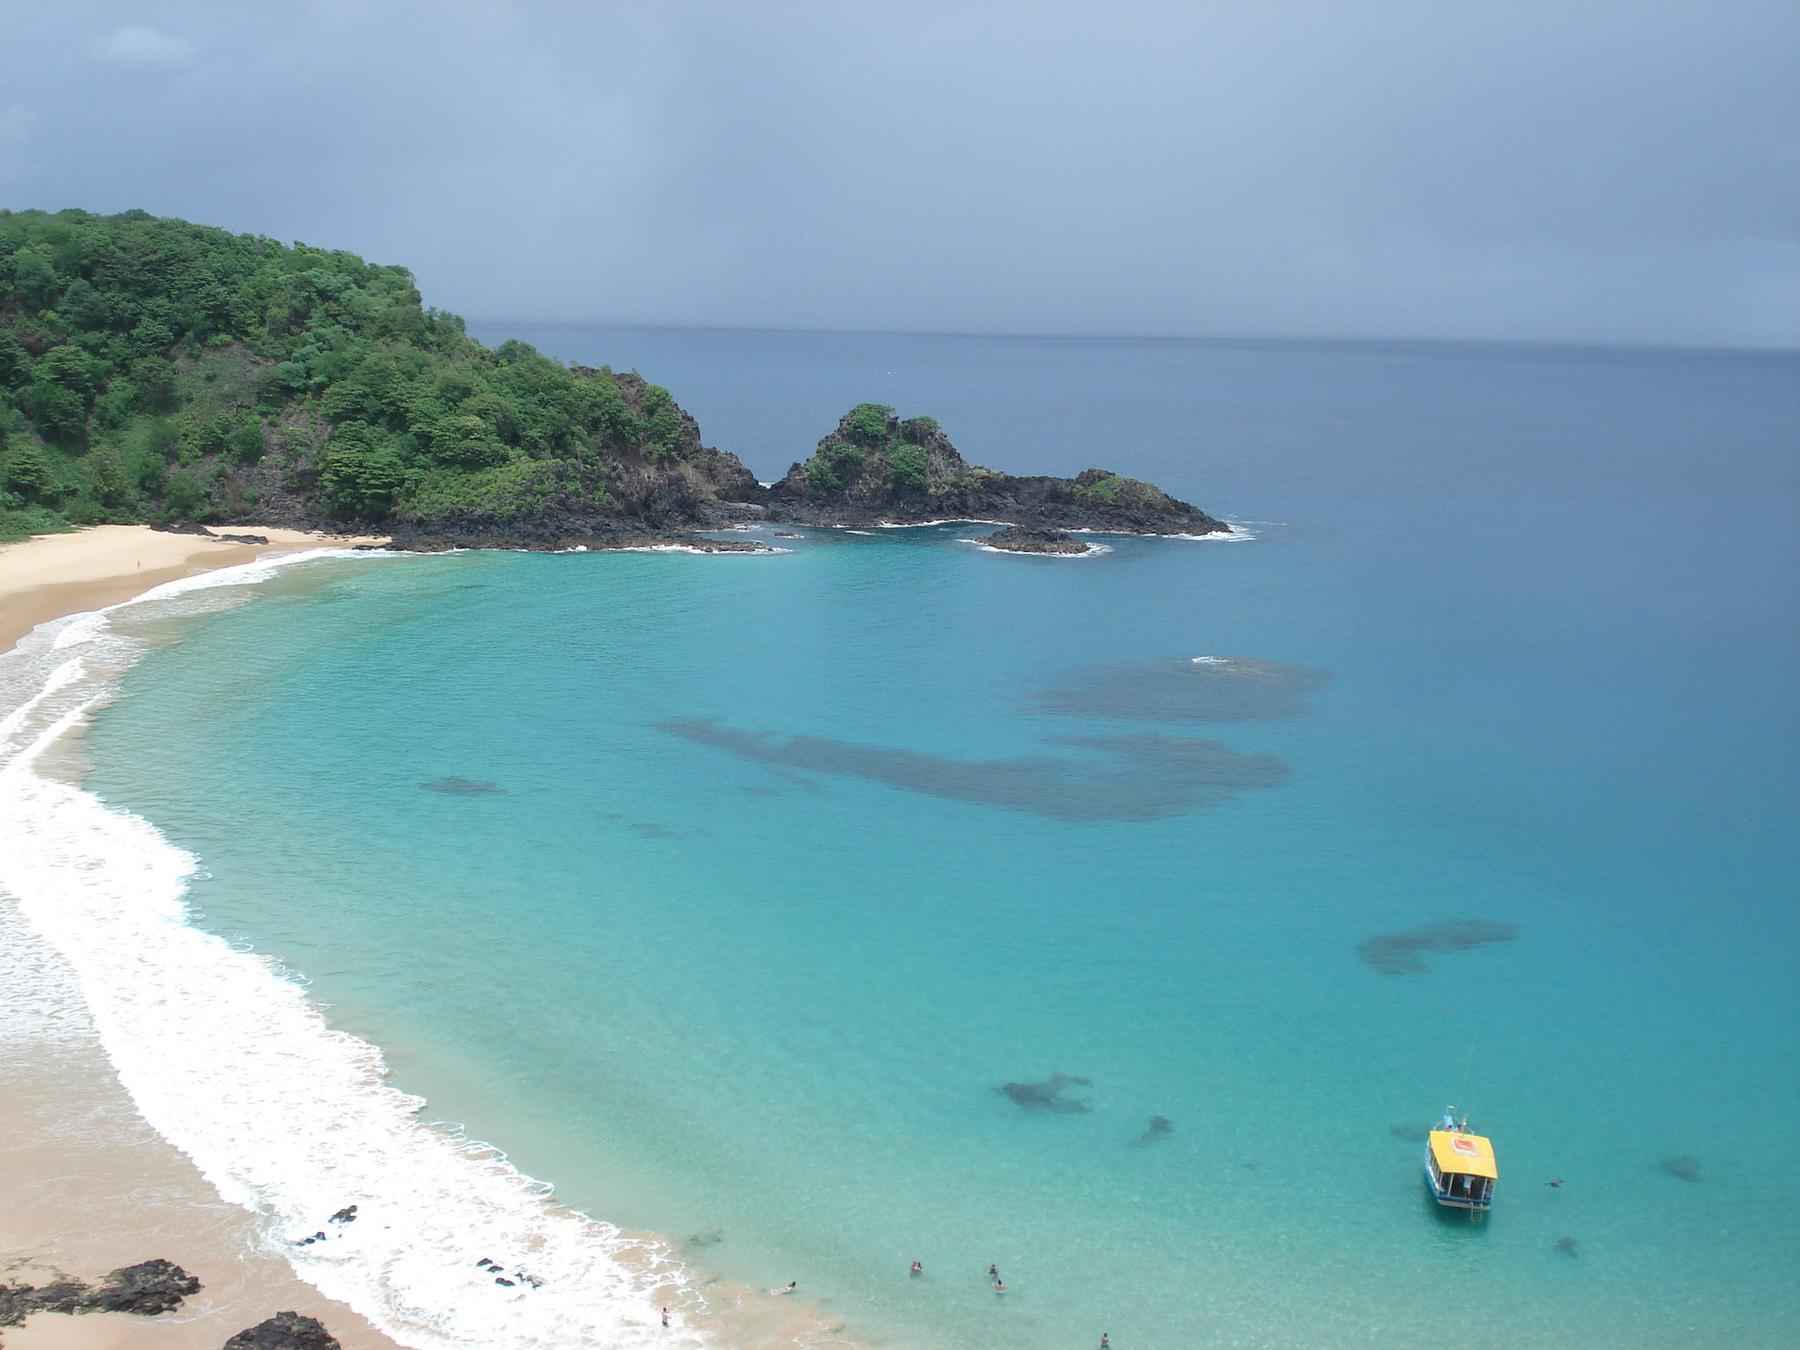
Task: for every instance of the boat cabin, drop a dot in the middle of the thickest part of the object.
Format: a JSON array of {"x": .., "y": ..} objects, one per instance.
[{"x": 1460, "y": 1168}]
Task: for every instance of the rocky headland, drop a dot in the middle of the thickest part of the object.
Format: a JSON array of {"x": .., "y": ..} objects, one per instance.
[{"x": 877, "y": 468}]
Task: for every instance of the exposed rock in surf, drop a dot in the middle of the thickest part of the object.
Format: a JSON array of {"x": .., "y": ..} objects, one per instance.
[
  {"x": 345, "y": 1215},
  {"x": 1023, "y": 539},
  {"x": 1684, "y": 1167},
  {"x": 284, "y": 1331},
  {"x": 1049, "y": 1095},
  {"x": 146, "y": 1289},
  {"x": 1399, "y": 953},
  {"x": 501, "y": 1279},
  {"x": 457, "y": 786},
  {"x": 1159, "y": 1128}
]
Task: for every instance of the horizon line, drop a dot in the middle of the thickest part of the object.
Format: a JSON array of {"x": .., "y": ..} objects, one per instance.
[{"x": 1224, "y": 339}]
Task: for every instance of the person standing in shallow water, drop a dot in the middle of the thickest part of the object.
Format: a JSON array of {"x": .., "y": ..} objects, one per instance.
[
  {"x": 665, "y": 1317},
  {"x": 1105, "y": 1341}
]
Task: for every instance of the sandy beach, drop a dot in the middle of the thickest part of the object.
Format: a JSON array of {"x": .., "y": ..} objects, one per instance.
[
  {"x": 51, "y": 575},
  {"x": 88, "y": 1185}
]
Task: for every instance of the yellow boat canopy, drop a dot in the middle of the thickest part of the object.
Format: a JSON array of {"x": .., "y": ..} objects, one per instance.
[{"x": 1468, "y": 1155}]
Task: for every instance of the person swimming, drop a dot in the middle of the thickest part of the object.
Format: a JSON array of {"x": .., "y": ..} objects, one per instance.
[
  {"x": 993, "y": 1271},
  {"x": 917, "y": 1269},
  {"x": 999, "y": 1286},
  {"x": 792, "y": 1285}
]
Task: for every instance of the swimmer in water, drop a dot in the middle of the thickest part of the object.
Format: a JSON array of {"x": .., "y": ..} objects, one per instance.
[
  {"x": 993, "y": 1271},
  {"x": 917, "y": 1269},
  {"x": 1105, "y": 1341},
  {"x": 999, "y": 1286},
  {"x": 792, "y": 1285}
]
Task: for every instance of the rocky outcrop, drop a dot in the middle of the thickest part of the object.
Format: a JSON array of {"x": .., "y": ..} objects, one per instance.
[
  {"x": 1019, "y": 539},
  {"x": 148, "y": 1289},
  {"x": 284, "y": 1331},
  {"x": 876, "y": 467}
]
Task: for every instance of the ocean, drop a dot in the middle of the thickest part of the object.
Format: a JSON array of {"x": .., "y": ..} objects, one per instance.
[{"x": 1121, "y": 921}]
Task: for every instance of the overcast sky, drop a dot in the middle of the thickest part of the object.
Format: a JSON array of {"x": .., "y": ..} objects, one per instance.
[{"x": 1513, "y": 169}]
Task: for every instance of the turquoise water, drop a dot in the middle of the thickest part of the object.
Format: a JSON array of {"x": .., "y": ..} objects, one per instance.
[{"x": 1514, "y": 641}]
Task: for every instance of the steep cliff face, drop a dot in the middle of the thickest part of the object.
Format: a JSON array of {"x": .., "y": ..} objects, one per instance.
[{"x": 879, "y": 467}]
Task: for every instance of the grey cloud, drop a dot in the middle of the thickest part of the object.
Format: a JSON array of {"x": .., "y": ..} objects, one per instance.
[{"x": 1606, "y": 171}]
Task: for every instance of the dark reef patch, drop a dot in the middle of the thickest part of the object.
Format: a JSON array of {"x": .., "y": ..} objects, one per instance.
[
  {"x": 1683, "y": 1167},
  {"x": 1412, "y": 1134},
  {"x": 1142, "y": 777},
  {"x": 1568, "y": 1246},
  {"x": 1159, "y": 1129},
  {"x": 1050, "y": 1095},
  {"x": 1210, "y": 689},
  {"x": 1403, "y": 953},
  {"x": 457, "y": 786}
]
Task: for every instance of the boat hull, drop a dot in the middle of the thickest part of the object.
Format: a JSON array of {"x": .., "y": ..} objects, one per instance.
[{"x": 1449, "y": 1199}]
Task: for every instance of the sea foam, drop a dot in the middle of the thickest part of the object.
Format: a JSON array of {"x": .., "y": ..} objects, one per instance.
[{"x": 225, "y": 1056}]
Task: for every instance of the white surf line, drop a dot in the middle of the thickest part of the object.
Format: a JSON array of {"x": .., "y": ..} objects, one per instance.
[{"x": 225, "y": 1056}]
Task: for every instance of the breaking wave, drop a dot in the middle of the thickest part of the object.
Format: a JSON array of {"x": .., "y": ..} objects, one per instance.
[{"x": 225, "y": 1055}]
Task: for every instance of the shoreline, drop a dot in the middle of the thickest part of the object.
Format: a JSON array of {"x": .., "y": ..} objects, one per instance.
[
  {"x": 92, "y": 1184},
  {"x": 51, "y": 576}
]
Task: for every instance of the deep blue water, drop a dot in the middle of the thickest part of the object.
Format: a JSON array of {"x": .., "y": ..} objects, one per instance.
[{"x": 1516, "y": 642}]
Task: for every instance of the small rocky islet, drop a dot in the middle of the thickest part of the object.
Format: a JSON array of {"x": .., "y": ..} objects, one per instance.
[{"x": 1020, "y": 539}]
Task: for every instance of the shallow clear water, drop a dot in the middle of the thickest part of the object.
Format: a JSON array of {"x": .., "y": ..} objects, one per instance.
[{"x": 1528, "y": 619}]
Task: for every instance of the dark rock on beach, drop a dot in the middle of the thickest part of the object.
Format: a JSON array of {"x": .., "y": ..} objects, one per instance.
[
  {"x": 1021, "y": 539},
  {"x": 876, "y": 467},
  {"x": 284, "y": 1331},
  {"x": 147, "y": 1289},
  {"x": 1049, "y": 1095}
]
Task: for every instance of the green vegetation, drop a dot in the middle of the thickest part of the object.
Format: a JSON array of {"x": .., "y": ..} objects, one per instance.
[
  {"x": 155, "y": 370},
  {"x": 871, "y": 445},
  {"x": 1111, "y": 489}
]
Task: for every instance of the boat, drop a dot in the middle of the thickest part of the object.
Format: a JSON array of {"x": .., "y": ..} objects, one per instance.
[{"x": 1460, "y": 1169}]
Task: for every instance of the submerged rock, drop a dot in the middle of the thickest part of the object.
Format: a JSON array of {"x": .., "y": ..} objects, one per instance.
[
  {"x": 1159, "y": 1128},
  {"x": 1684, "y": 1167},
  {"x": 457, "y": 786},
  {"x": 1047, "y": 1095},
  {"x": 1566, "y": 1245},
  {"x": 1400, "y": 953},
  {"x": 284, "y": 1331},
  {"x": 1412, "y": 1134}
]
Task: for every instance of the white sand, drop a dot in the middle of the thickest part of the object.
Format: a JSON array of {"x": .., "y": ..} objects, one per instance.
[{"x": 51, "y": 575}]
